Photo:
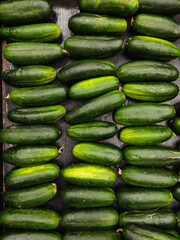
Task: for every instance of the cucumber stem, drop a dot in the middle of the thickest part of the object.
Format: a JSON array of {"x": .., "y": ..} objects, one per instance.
[
  {"x": 60, "y": 150},
  {"x": 120, "y": 88},
  {"x": 132, "y": 20},
  {"x": 120, "y": 171},
  {"x": 8, "y": 96},
  {"x": 64, "y": 51},
  {"x": 119, "y": 230},
  {"x": 174, "y": 134}
]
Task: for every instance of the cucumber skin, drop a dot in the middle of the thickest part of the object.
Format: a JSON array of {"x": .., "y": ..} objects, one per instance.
[
  {"x": 29, "y": 176},
  {"x": 176, "y": 192},
  {"x": 176, "y": 125},
  {"x": 95, "y": 107},
  {"x": 99, "y": 153},
  {"x": 172, "y": 232},
  {"x": 92, "y": 131}
]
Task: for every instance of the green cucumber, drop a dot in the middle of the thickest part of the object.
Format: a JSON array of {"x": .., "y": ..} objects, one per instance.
[
  {"x": 96, "y": 107},
  {"x": 143, "y": 47},
  {"x": 18, "y": 12},
  {"x": 93, "y": 87},
  {"x": 87, "y": 197},
  {"x": 30, "y": 53},
  {"x": 97, "y": 219},
  {"x": 147, "y": 71},
  {"x": 29, "y": 176},
  {"x": 176, "y": 192},
  {"x": 85, "y": 69},
  {"x": 93, "y": 46},
  {"x": 134, "y": 198},
  {"x": 39, "y": 96},
  {"x": 92, "y": 131},
  {"x": 30, "y": 135},
  {"x": 88, "y": 23},
  {"x": 85, "y": 174},
  {"x": 99, "y": 153},
  {"x": 151, "y": 91},
  {"x": 172, "y": 232},
  {"x": 32, "y": 218},
  {"x": 176, "y": 125},
  {"x": 37, "y": 115},
  {"x": 30, "y": 197}
]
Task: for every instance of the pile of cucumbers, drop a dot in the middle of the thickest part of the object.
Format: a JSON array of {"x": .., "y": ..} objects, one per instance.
[{"x": 150, "y": 172}]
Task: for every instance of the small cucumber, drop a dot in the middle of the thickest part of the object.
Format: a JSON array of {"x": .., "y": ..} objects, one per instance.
[
  {"x": 176, "y": 125},
  {"x": 176, "y": 192}
]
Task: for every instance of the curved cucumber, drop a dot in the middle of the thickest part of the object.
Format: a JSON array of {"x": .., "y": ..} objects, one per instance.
[
  {"x": 176, "y": 192},
  {"x": 176, "y": 125}
]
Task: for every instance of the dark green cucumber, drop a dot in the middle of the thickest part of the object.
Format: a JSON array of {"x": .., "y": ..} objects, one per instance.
[
  {"x": 93, "y": 46},
  {"x": 131, "y": 115},
  {"x": 143, "y": 47},
  {"x": 92, "y": 131},
  {"x": 30, "y": 197},
  {"x": 96, "y": 107},
  {"x": 87, "y": 197},
  {"x": 18, "y": 12},
  {"x": 109, "y": 7},
  {"x": 29, "y": 176},
  {"x": 99, "y": 153},
  {"x": 88, "y": 23},
  {"x": 30, "y": 135},
  {"x": 176, "y": 192},
  {"x": 29, "y": 76},
  {"x": 37, "y": 115},
  {"x": 149, "y": 177},
  {"x": 152, "y": 156},
  {"x": 85, "y": 69},
  {"x": 97, "y": 219},
  {"x": 39, "y": 96},
  {"x": 29, "y": 218},
  {"x": 134, "y": 198},
  {"x": 151, "y": 91},
  {"x": 85, "y": 174},
  {"x": 147, "y": 71},
  {"x": 176, "y": 125},
  {"x": 29, "y": 53},
  {"x": 93, "y": 87}
]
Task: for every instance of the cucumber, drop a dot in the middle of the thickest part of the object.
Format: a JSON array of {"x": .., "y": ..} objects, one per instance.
[
  {"x": 18, "y": 12},
  {"x": 29, "y": 176},
  {"x": 26, "y": 156},
  {"x": 93, "y": 46},
  {"x": 143, "y": 47},
  {"x": 96, "y": 107},
  {"x": 30, "y": 197},
  {"x": 85, "y": 69},
  {"x": 131, "y": 115},
  {"x": 100, "y": 153},
  {"x": 134, "y": 198},
  {"x": 92, "y": 131},
  {"x": 176, "y": 125},
  {"x": 151, "y": 91},
  {"x": 37, "y": 115},
  {"x": 149, "y": 177},
  {"x": 93, "y": 87},
  {"x": 110, "y": 7},
  {"x": 87, "y": 197},
  {"x": 30, "y": 135},
  {"x": 178, "y": 218},
  {"x": 29, "y": 218},
  {"x": 32, "y": 53},
  {"x": 147, "y": 135},
  {"x": 84, "y": 174},
  {"x": 39, "y": 96},
  {"x": 97, "y": 219},
  {"x": 147, "y": 71},
  {"x": 173, "y": 232},
  {"x": 176, "y": 192},
  {"x": 88, "y": 23}
]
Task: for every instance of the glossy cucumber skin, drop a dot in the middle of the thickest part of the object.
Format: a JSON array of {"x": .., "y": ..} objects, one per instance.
[
  {"x": 29, "y": 176},
  {"x": 147, "y": 71},
  {"x": 86, "y": 197},
  {"x": 84, "y": 174},
  {"x": 32, "y": 53},
  {"x": 37, "y": 115},
  {"x": 32, "y": 218},
  {"x": 176, "y": 192},
  {"x": 99, "y": 153},
  {"x": 39, "y": 96},
  {"x": 147, "y": 135},
  {"x": 30, "y": 134},
  {"x": 92, "y": 131},
  {"x": 143, "y": 47},
  {"x": 176, "y": 125},
  {"x": 93, "y": 46},
  {"x": 151, "y": 91},
  {"x": 134, "y": 198},
  {"x": 95, "y": 107},
  {"x": 85, "y": 69}
]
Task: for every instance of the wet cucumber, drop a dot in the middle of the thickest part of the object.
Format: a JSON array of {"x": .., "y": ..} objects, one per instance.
[
  {"x": 176, "y": 125},
  {"x": 176, "y": 192},
  {"x": 99, "y": 153}
]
